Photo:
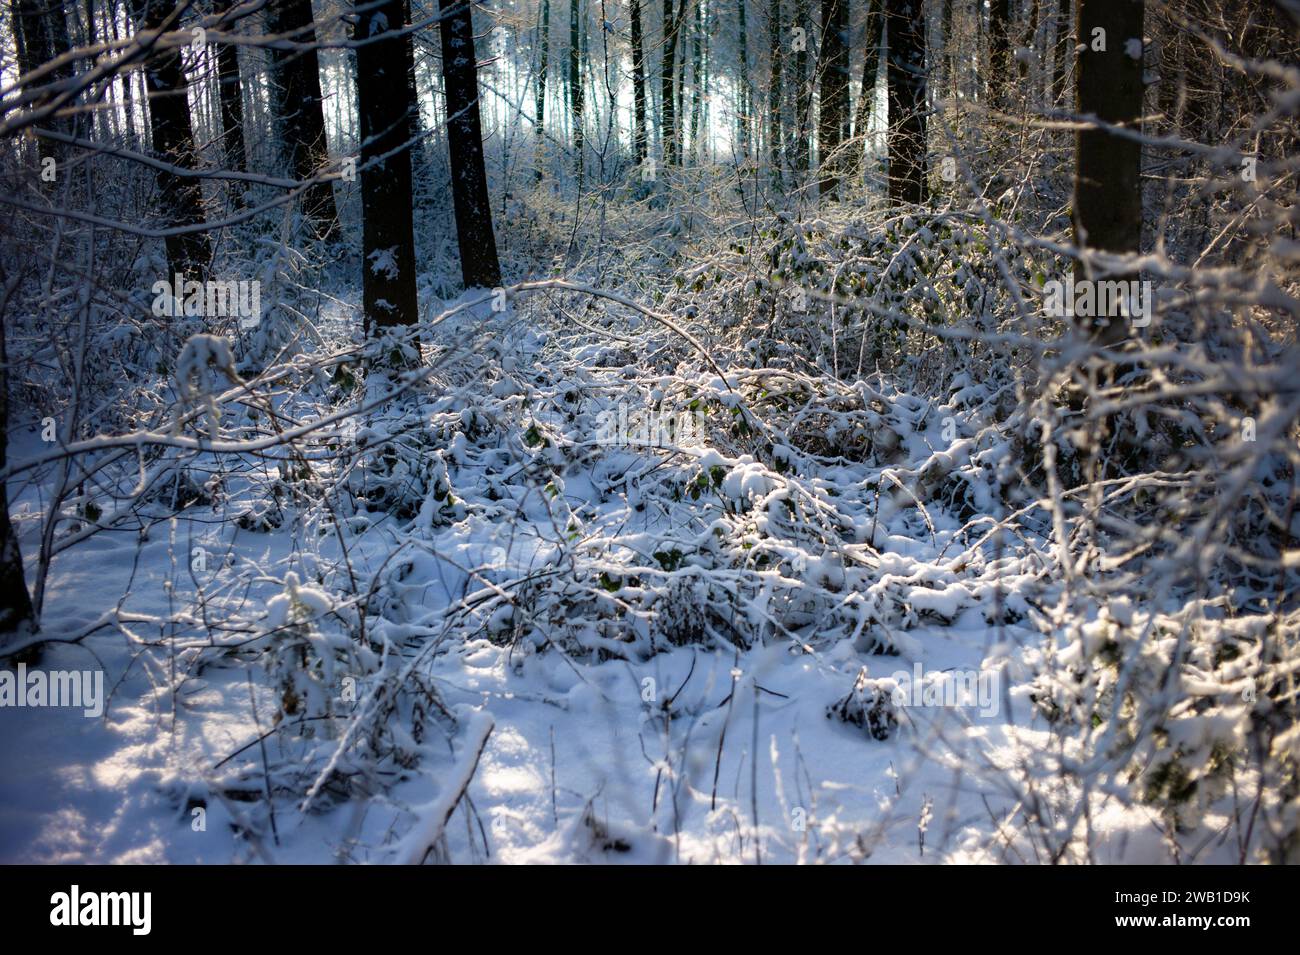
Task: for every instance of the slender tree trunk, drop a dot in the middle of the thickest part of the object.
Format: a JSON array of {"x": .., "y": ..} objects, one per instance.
[
  {"x": 744, "y": 95},
  {"x": 1107, "y": 178},
  {"x": 679, "y": 90},
  {"x": 697, "y": 70},
  {"x": 299, "y": 105},
  {"x": 385, "y": 108},
  {"x": 803, "y": 88},
  {"x": 907, "y": 103},
  {"x": 834, "y": 102},
  {"x": 1031, "y": 45},
  {"x": 231, "y": 96},
  {"x": 667, "y": 97},
  {"x": 24, "y": 42},
  {"x": 16, "y": 616},
  {"x": 40, "y": 35},
  {"x": 181, "y": 197},
  {"x": 543, "y": 62},
  {"x": 575, "y": 83},
  {"x": 478, "y": 249},
  {"x": 999, "y": 72},
  {"x": 775, "y": 92},
  {"x": 638, "y": 84},
  {"x": 949, "y": 46},
  {"x": 867, "y": 98}
]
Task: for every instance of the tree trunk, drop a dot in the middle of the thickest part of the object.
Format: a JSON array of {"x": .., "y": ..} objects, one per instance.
[
  {"x": 40, "y": 34},
  {"x": 948, "y": 79},
  {"x": 16, "y": 616},
  {"x": 180, "y": 197},
  {"x": 834, "y": 103},
  {"x": 697, "y": 70},
  {"x": 999, "y": 74},
  {"x": 478, "y": 249},
  {"x": 1107, "y": 183},
  {"x": 867, "y": 98},
  {"x": 231, "y": 96},
  {"x": 907, "y": 105},
  {"x": 638, "y": 84},
  {"x": 744, "y": 95},
  {"x": 384, "y": 106},
  {"x": 803, "y": 88},
  {"x": 543, "y": 62},
  {"x": 775, "y": 90},
  {"x": 1031, "y": 44},
  {"x": 667, "y": 98},
  {"x": 575, "y": 83},
  {"x": 298, "y": 104}
]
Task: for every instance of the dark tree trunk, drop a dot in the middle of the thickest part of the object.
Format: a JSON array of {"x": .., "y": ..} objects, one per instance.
[
  {"x": 697, "y": 71},
  {"x": 29, "y": 38},
  {"x": 905, "y": 21},
  {"x": 745, "y": 96},
  {"x": 384, "y": 106},
  {"x": 478, "y": 250},
  {"x": 775, "y": 91},
  {"x": 298, "y": 103},
  {"x": 948, "y": 77},
  {"x": 667, "y": 97},
  {"x": 231, "y": 96},
  {"x": 803, "y": 89},
  {"x": 999, "y": 49},
  {"x": 181, "y": 197},
  {"x": 575, "y": 84},
  {"x": 870, "y": 69},
  {"x": 41, "y": 35},
  {"x": 834, "y": 104},
  {"x": 543, "y": 64},
  {"x": 16, "y": 616},
  {"x": 638, "y": 84},
  {"x": 1107, "y": 183}
]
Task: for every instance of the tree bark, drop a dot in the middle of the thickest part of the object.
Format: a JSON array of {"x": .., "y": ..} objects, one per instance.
[
  {"x": 744, "y": 95},
  {"x": 999, "y": 49},
  {"x": 230, "y": 94},
  {"x": 40, "y": 35},
  {"x": 905, "y": 22},
  {"x": 16, "y": 616},
  {"x": 697, "y": 71},
  {"x": 775, "y": 91},
  {"x": 834, "y": 103},
  {"x": 667, "y": 96},
  {"x": 181, "y": 197},
  {"x": 298, "y": 103},
  {"x": 478, "y": 250},
  {"x": 1031, "y": 44},
  {"x": 384, "y": 107},
  {"x": 867, "y": 98},
  {"x": 803, "y": 89},
  {"x": 638, "y": 84},
  {"x": 543, "y": 63},
  {"x": 1107, "y": 178},
  {"x": 575, "y": 84}
]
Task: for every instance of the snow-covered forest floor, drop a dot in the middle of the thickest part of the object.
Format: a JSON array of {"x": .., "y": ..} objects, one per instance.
[{"x": 766, "y": 540}]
